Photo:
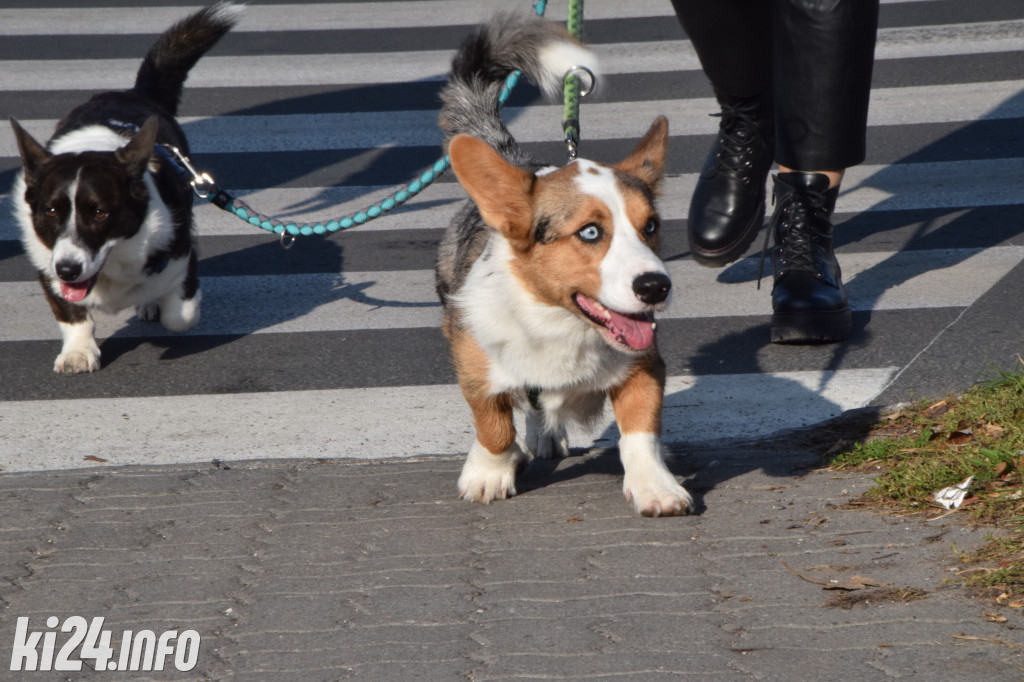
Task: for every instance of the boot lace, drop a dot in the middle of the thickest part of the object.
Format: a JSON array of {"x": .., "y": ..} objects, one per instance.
[
  {"x": 799, "y": 213},
  {"x": 738, "y": 133}
]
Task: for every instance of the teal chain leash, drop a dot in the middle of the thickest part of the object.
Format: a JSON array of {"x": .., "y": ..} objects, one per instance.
[{"x": 206, "y": 188}]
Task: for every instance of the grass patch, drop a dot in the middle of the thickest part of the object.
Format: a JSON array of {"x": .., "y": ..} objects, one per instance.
[{"x": 930, "y": 445}]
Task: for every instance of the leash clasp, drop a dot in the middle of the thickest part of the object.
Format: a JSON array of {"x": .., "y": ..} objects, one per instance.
[
  {"x": 591, "y": 79},
  {"x": 204, "y": 180},
  {"x": 202, "y": 184}
]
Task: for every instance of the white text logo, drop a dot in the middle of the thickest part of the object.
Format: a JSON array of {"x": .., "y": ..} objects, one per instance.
[{"x": 142, "y": 650}]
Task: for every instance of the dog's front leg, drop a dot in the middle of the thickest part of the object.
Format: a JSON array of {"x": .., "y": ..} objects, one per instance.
[
  {"x": 648, "y": 483},
  {"x": 79, "y": 353},
  {"x": 179, "y": 307},
  {"x": 496, "y": 457}
]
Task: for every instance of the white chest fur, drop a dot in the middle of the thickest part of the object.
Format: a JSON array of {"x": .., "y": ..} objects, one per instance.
[{"x": 530, "y": 343}]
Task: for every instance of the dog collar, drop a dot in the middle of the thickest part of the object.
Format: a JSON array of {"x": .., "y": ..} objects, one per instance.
[{"x": 158, "y": 149}]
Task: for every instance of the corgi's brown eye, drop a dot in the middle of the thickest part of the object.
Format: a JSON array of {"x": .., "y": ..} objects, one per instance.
[
  {"x": 589, "y": 233},
  {"x": 51, "y": 212},
  {"x": 100, "y": 215}
]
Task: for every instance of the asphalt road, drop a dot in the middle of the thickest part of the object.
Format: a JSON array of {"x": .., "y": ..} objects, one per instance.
[{"x": 332, "y": 349}]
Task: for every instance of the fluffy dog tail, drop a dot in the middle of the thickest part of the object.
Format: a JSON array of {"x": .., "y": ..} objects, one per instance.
[
  {"x": 165, "y": 68},
  {"x": 542, "y": 50}
]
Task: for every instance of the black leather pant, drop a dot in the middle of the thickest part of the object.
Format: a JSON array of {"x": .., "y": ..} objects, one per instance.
[{"x": 813, "y": 58}]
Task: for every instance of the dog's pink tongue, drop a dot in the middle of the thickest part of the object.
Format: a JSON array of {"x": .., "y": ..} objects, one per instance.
[
  {"x": 75, "y": 291},
  {"x": 637, "y": 334}
]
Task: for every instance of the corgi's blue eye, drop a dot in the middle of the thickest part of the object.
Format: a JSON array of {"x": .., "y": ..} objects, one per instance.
[
  {"x": 589, "y": 233},
  {"x": 651, "y": 227}
]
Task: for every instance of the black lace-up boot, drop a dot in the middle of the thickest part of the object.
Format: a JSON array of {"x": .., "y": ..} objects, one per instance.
[
  {"x": 808, "y": 300},
  {"x": 727, "y": 208}
]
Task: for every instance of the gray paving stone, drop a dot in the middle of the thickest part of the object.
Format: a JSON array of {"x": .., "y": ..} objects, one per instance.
[{"x": 350, "y": 570}]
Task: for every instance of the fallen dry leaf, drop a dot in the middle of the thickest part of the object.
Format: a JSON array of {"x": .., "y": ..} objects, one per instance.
[
  {"x": 937, "y": 410},
  {"x": 855, "y": 583},
  {"x": 991, "y": 430},
  {"x": 93, "y": 458},
  {"x": 990, "y": 640},
  {"x": 960, "y": 438}
]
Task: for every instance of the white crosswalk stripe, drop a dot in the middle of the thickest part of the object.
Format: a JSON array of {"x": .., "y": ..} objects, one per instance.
[
  {"x": 332, "y": 349},
  {"x": 225, "y": 135}
]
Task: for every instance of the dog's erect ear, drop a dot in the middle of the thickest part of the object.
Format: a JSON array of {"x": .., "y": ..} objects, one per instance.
[
  {"x": 500, "y": 190},
  {"x": 136, "y": 154},
  {"x": 33, "y": 154},
  {"x": 647, "y": 160}
]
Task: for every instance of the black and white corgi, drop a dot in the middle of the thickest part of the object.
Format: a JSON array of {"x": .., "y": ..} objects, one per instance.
[
  {"x": 549, "y": 279},
  {"x": 105, "y": 215}
]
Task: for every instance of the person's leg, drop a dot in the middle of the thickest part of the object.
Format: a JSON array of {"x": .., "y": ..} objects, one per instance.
[
  {"x": 733, "y": 40},
  {"x": 823, "y": 54}
]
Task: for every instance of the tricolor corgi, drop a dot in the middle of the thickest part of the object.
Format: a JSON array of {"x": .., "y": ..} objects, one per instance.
[
  {"x": 105, "y": 215},
  {"x": 549, "y": 279}
]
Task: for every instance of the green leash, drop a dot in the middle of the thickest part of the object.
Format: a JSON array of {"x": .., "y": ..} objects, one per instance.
[
  {"x": 205, "y": 187},
  {"x": 571, "y": 85}
]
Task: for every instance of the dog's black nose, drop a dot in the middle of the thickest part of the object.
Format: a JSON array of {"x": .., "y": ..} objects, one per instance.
[
  {"x": 652, "y": 287},
  {"x": 68, "y": 270}
]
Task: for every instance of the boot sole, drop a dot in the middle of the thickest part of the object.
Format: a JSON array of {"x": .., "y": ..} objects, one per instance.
[
  {"x": 812, "y": 327},
  {"x": 722, "y": 257}
]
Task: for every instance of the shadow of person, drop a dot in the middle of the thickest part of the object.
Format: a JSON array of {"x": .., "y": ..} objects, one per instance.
[
  {"x": 717, "y": 429},
  {"x": 926, "y": 221},
  {"x": 725, "y": 417}
]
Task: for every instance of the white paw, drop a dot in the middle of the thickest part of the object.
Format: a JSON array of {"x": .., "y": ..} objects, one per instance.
[
  {"x": 79, "y": 353},
  {"x": 657, "y": 495},
  {"x": 180, "y": 315},
  {"x": 648, "y": 483},
  {"x": 487, "y": 477},
  {"x": 77, "y": 361}
]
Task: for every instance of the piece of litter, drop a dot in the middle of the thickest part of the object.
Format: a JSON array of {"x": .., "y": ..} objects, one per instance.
[{"x": 953, "y": 496}]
